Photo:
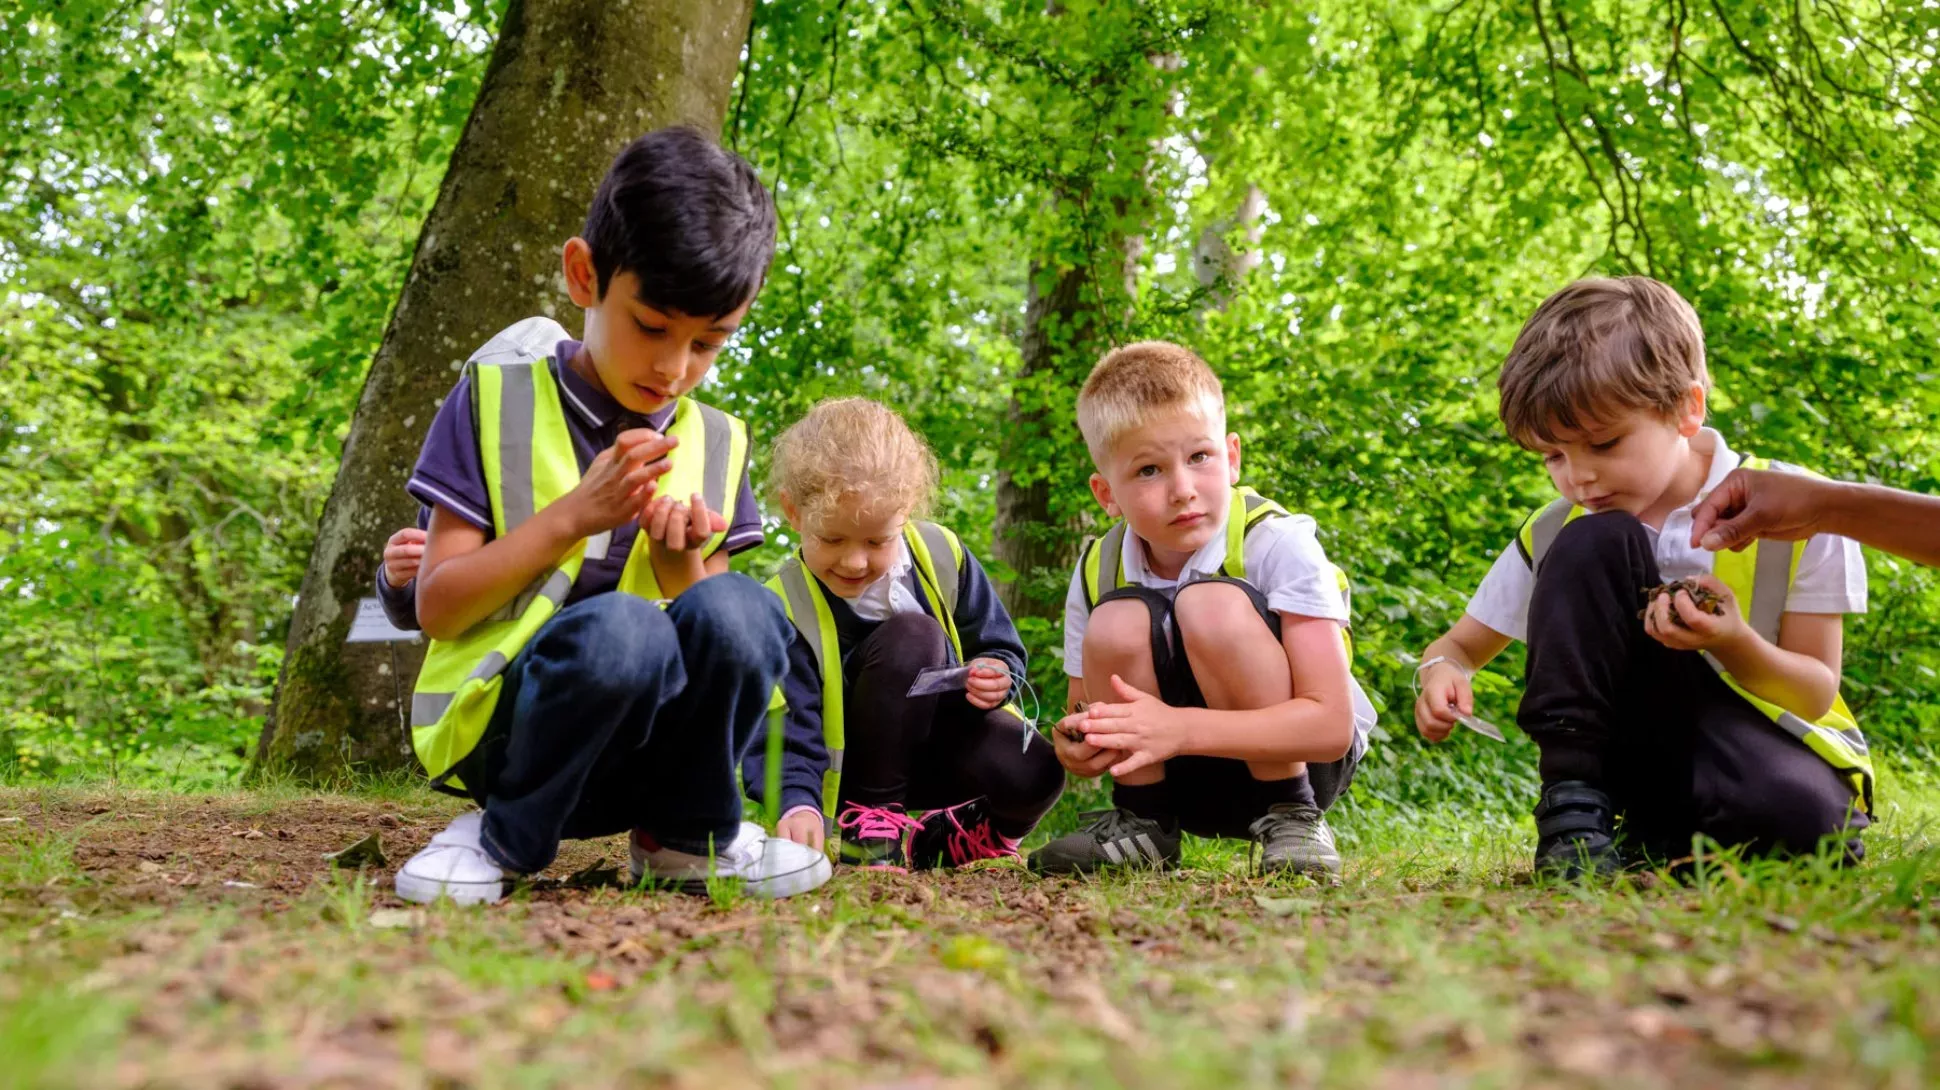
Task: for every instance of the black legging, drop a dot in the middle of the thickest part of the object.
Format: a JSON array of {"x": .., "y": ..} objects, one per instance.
[{"x": 928, "y": 752}]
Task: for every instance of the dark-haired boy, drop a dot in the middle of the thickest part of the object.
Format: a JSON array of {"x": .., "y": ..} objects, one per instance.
[
  {"x": 1727, "y": 723},
  {"x": 594, "y": 668}
]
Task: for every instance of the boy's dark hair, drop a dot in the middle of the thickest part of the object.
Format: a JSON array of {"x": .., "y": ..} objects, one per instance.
[
  {"x": 686, "y": 216},
  {"x": 1598, "y": 346}
]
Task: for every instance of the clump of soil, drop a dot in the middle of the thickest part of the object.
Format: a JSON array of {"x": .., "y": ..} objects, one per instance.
[{"x": 1701, "y": 597}]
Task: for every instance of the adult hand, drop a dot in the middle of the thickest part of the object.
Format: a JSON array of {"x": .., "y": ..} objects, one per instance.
[
  {"x": 403, "y": 554},
  {"x": 1754, "y": 503},
  {"x": 989, "y": 683},
  {"x": 1146, "y": 728}
]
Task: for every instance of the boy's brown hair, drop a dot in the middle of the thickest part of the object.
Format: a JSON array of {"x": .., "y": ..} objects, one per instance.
[
  {"x": 1597, "y": 347},
  {"x": 1133, "y": 383}
]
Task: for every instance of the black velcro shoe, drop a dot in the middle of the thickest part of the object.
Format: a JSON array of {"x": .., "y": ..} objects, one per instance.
[{"x": 1575, "y": 833}]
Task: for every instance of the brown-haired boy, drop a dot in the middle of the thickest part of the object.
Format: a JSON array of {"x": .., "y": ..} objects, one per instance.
[
  {"x": 1724, "y": 721},
  {"x": 1206, "y": 631}
]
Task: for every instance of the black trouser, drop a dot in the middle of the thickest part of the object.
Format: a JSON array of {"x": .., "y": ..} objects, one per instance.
[
  {"x": 1676, "y": 749},
  {"x": 929, "y": 752},
  {"x": 1218, "y": 796},
  {"x": 619, "y": 715}
]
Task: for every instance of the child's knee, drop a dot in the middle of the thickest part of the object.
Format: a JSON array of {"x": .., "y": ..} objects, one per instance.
[
  {"x": 732, "y": 618},
  {"x": 916, "y": 636},
  {"x": 1119, "y": 631},
  {"x": 1210, "y": 613},
  {"x": 1597, "y": 539}
]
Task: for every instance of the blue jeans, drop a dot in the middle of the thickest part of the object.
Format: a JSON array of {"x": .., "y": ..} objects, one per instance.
[{"x": 619, "y": 715}]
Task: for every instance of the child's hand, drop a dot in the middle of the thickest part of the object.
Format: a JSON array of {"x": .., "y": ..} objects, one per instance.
[
  {"x": 989, "y": 683},
  {"x": 1081, "y": 759},
  {"x": 1701, "y": 631},
  {"x": 1143, "y": 726},
  {"x": 674, "y": 528},
  {"x": 402, "y": 556},
  {"x": 1445, "y": 695},
  {"x": 619, "y": 481},
  {"x": 804, "y": 827}
]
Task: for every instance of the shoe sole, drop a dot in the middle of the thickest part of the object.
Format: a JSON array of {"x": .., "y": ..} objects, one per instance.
[
  {"x": 1310, "y": 868},
  {"x": 424, "y": 891},
  {"x": 772, "y": 888},
  {"x": 1102, "y": 865}
]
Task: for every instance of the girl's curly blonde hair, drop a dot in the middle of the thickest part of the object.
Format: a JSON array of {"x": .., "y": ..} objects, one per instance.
[{"x": 853, "y": 454}]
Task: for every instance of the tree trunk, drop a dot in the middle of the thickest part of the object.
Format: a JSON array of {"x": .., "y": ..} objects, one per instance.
[
  {"x": 1062, "y": 338},
  {"x": 570, "y": 82}
]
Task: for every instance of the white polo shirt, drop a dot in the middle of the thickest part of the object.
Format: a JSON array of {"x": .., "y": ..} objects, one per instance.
[
  {"x": 1284, "y": 561},
  {"x": 1831, "y": 576}
]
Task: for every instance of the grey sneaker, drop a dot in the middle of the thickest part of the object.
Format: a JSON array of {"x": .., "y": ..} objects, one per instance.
[
  {"x": 1294, "y": 837},
  {"x": 1112, "y": 838}
]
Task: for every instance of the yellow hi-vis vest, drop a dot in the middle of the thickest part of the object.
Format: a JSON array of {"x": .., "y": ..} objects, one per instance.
[
  {"x": 529, "y": 463},
  {"x": 1104, "y": 554},
  {"x": 939, "y": 562},
  {"x": 1761, "y": 578}
]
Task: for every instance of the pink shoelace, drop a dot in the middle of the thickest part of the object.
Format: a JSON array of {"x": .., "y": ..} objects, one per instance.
[
  {"x": 875, "y": 822},
  {"x": 979, "y": 841}
]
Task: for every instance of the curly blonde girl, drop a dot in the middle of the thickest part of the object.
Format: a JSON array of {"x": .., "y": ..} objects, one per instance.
[{"x": 854, "y": 455}]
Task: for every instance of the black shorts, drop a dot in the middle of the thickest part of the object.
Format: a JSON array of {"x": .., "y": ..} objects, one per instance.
[{"x": 1212, "y": 795}]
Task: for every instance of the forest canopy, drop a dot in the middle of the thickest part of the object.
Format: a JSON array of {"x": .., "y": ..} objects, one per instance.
[{"x": 208, "y": 210}]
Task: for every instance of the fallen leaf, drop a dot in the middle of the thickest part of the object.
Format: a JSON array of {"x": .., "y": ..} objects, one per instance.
[
  {"x": 1781, "y": 923},
  {"x": 233, "y": 884},
  {"x": 973, "y": 952},
  {"x": 148, "y": 867},
  {"x": 368, "y": 852},
  {"x": 397, "y": 917},
  {"x": 597, "y": 981},
  {"x": 1285, "y": 906},
  {"x": 1587, "y": 1056}
]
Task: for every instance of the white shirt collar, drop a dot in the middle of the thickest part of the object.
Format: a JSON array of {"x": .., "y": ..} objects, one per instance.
[
  {"x": 887, "y": 596},
  {"x": 1723, "y": 461},
  {"x": 1203, "y": 564}
]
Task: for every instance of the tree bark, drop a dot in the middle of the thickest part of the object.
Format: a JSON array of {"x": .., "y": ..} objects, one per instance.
[
  {"x": 1062, "y": 338},
  {"x": 570, "y": 82}
]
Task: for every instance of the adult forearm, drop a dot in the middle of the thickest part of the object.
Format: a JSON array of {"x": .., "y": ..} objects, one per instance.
[
  {"x": 1301, "y": 729},
  {"x": 464, "y": 590},
  {"x": 1800, "y": 684},
  {"x": 1902, "y": 523}
]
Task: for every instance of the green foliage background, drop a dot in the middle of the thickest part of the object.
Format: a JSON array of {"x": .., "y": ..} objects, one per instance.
[{"x": 207, "y": 210}]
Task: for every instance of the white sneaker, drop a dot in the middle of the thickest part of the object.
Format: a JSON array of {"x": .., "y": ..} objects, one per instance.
[
  {"x": 453, "y": 865},
  {"x": 768, "y": 866}
]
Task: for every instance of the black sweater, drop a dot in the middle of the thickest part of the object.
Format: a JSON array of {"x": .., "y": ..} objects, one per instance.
[{"x": 982, "y": 623}]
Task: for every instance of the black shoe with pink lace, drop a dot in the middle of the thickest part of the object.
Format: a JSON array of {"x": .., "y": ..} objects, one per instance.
[
  {"x": 956, "y": 836},
  {"x": 875, "y": 837}
]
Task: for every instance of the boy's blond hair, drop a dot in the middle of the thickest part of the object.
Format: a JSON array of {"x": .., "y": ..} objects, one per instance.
[
  {"x": 1132, "y": 384},
  {"x": 1597, "y": 347},
  {"x": 851, "y": 452}
]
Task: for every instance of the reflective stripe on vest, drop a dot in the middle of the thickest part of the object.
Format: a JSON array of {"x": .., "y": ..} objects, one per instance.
[
  {"x": 1103, "y": 564},
  {"x": 938, "y": 557},
  {"x": 1760, "y": 578},
  {"x": 527, "y": 455}
]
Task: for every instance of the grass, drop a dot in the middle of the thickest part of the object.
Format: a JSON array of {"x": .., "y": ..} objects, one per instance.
[{"x": 162, "y": 940}]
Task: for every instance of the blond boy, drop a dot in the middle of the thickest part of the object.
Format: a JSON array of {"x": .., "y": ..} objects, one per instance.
[
  {"x": 1204, "y": 639},
  {"x": 1686, "y": 721}
]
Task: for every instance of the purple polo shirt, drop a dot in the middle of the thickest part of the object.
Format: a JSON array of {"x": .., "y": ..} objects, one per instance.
[{"x": 451, "y": 474}]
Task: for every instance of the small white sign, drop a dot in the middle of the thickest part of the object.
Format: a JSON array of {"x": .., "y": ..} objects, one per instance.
[{"x": 371, "y": 626}]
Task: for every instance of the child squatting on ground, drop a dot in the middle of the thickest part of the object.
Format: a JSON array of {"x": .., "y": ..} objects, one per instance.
[
  {"x": 1204, "y": 638},
  {"x": 878, "y": 596},
  {"x": 594, "y": 668},
  {"x": 1729, "y": 724}
]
